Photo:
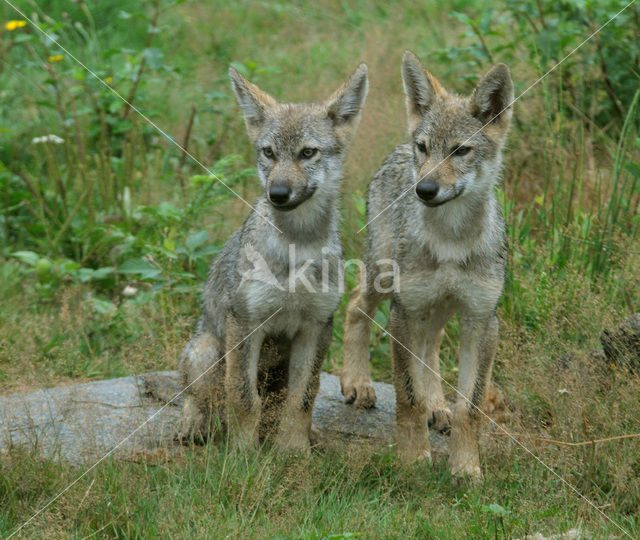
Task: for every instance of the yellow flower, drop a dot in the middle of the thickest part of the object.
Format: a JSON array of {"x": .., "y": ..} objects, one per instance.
[
  {"x": 55, "y": 58},
  {"x": 12, "y": 25},
  {"x": 109, "y": 80}
]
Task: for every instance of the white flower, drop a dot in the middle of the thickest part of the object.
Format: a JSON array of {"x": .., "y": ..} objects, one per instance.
[
  {"x": 129, "y": 291},
  {"x": 47, "y": 138},
  {"x": 563, "y": 391}
]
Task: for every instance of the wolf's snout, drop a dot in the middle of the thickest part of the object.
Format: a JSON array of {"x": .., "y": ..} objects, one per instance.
[
  {"x": 427, "y": 189},
  {"x": 279, "y": 194}
]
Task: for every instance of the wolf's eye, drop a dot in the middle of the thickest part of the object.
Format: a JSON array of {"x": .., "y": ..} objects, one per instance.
[
  {"x": 268, "y": 152},
  {"x": 308, "y": 153},
  {"x": 422, "y": 147},
  {"x": 461, "y": 150}
]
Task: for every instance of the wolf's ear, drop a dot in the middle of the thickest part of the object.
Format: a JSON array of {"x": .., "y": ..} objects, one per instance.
[
  {"x": 420, "y": 88},
  {"x": 493, "y": 96},
  {"x": 253, "y": 102},
  {"x": 345, "y": 104}
]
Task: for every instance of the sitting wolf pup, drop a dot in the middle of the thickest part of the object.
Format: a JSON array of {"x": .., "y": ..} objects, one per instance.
[
  {"x": 432, "y": 211},
  {"x": 269, "y": 301}
]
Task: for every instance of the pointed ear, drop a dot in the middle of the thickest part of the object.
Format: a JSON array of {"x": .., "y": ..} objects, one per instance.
[
  {"x": 345, "y": 104},
  {"x": 420, "y": 88},
  {"x": 493, "y": 96},
  {"x": 253, "y": 102}
]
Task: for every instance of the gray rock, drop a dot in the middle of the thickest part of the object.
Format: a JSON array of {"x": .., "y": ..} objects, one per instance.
[
  {"x": 84, "y": 422},
  {"x": 621, "y": 345},
  {"x": 572, "y": 534}
]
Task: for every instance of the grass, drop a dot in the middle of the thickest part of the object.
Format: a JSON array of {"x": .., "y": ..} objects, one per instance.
[
  {"x": 115, "y": 204},
  {"x": 215, "y": 492}
]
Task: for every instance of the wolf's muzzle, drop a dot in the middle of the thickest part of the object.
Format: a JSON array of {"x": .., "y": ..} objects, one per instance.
[
  {"x": 279, "y": 194},
  {"x": 281, "y": 198},
  {"x": 427, "y": 189}
]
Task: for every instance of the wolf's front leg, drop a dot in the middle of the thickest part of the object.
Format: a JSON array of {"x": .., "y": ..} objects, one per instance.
[
  {"x": 308, "y": 351},
  {"x": 355, "y": 379},
  {"x": 241, "y": 383},
  {"x": 412, "y": 409},
  {"x": 478, "y": 343},
  {"x": 439, "y": 412}
]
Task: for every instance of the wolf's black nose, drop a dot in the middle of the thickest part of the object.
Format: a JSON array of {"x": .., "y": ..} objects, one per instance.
[
  {"x": 279, "y": 194},
  {"x": 426, "y": 189}
]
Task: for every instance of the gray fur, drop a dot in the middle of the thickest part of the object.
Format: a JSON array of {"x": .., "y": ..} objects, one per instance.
[
  {"x": 284, "y": 355},
  {"x": 451, "y": 258}
]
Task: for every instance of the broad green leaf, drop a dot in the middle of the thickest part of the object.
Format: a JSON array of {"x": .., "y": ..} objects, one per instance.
[
  {"x": 141, "y": 267},
  {"x": 27, "y": 257},
  {"x": 195, "y": 240},
  {"x": 169, "y": 244},
  {"x": 154, "y": 57}
]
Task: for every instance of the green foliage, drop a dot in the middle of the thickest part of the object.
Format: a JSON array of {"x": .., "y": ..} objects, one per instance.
[
  {"x": 547, "y": 32},
  {"x": 163, "y": 244},
  {"x": 72, "y": 174}
]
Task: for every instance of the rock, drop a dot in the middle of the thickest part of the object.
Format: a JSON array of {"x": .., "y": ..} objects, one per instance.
[
  {"x": 572, "y": 534},
  {"x": 84, "y": 422},
  {"x": 589, "y": 368},
  {"x": 621, "y": 345}
]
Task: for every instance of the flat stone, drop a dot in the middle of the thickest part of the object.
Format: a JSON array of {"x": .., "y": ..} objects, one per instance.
[
  {"x": 572, "y": 534},
  {"x": 84, "y": 422}
]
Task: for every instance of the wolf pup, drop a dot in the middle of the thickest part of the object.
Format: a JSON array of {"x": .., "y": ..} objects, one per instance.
[
  {"x": 433, "y": 213},
  {"x": 269, "y": 301}
]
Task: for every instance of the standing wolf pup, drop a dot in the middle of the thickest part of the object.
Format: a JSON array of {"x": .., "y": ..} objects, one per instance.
[
  {"x": 288, "y": 278},
  {"x": 447, "y": 237}
]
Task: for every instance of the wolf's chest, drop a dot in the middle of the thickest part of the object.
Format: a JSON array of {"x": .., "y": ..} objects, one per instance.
[
  {"x": 426, "y": 287},
  {"x": 307, "y": 289}
]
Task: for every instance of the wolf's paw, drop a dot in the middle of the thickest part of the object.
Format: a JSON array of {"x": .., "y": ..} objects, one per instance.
[
  {"x": 293, "y": 443},
  {"x": 192, "y": 431},
  {"x": 191, "y": 437},
  {"x": 359, "y": 393},
  {"x": 440, "y": 420},
  {"x": 315, "y": 438},
  {"x": 192, "y": 427},
  {"x": 412, "y": 454},
  {"x": 466, "y": 467}
]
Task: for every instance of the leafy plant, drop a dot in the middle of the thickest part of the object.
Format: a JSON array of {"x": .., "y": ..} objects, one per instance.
[{"x": 497, "y": 514}]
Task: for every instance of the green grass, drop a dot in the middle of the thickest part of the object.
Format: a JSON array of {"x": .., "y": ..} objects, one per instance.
[
  {"x": 117, "y": 205},
  {"x": 212, "y": 492}
]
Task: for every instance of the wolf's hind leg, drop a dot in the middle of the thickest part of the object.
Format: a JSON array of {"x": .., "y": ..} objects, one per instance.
[
  {"x": 202, "y": 377},
  {"x": 243, "y": 403},
  {"x": 355, "y": 379},
  {"x": 192, "y": 426}
]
